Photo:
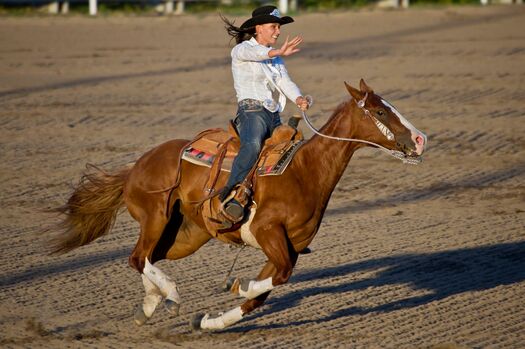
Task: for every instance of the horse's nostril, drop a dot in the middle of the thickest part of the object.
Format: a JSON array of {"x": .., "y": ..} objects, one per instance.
[{"x": 420, "y": 140}]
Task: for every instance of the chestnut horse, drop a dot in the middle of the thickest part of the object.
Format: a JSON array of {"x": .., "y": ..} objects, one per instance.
[{"x": 283, "y": 220}]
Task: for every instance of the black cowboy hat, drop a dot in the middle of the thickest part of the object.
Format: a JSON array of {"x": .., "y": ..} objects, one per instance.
[{"x": 266, "y": 14}]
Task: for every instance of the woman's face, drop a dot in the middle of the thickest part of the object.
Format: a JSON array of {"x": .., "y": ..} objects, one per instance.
[{"x": 267, "y": 33}]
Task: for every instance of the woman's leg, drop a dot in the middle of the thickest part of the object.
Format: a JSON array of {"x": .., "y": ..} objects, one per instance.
[{"x": 255, "y": 125}]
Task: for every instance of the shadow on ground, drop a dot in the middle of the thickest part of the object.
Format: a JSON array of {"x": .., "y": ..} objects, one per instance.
[
  {"x": 443, "y": 274},
  {"x": 66, "y": 265},
  {"x": 435, "y": 190}
]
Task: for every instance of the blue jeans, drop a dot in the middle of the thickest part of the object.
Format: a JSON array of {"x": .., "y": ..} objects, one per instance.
[{"x": 255, "y": 124}]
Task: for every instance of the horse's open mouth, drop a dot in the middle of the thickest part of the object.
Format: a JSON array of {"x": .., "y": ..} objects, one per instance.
[{"x": 415, "y": 158}]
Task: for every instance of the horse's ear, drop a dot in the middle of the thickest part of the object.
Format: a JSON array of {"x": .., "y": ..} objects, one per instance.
[
  {"x": 355, "y": 93},
  {"x": 364, "y": 87}
]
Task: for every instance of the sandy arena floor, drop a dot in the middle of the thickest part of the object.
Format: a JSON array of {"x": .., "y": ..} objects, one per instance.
[{"x": 428, "y": 256}]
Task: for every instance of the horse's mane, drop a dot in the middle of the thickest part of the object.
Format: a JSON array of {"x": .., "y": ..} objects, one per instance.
[
  {"x": 324, "y": 162},
  {"x": 338, "y": 110}
]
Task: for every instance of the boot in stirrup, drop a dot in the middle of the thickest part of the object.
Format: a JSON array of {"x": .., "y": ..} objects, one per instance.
[
  {"x": 233, "y": 205},
  {"x": 230, "y": 209}
]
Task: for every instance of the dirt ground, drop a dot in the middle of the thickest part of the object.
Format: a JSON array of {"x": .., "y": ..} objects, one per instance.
[{"x": 427, "y": 256}]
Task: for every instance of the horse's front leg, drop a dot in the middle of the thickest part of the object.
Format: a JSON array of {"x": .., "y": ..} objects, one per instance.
[{"x": 277, "y": 271}]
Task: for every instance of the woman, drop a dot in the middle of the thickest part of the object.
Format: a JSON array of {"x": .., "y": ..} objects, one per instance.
[{"x": 262, "y": 85}]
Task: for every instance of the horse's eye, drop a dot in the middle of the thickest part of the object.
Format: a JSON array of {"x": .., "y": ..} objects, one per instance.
[{"x": 380, "y": 112}]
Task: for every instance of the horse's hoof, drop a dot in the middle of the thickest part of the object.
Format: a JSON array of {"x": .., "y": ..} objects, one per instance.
[
  {"x": 172, "y": 307},
  {"x": 227, "y": 285},
  {"x": 305, "y": 250},
  {"x": 140, "y": 318},
  {"x": 195, "y": 323}
]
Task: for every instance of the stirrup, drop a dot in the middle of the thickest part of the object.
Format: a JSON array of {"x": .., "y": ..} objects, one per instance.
[{"x": 232, "y": 210}]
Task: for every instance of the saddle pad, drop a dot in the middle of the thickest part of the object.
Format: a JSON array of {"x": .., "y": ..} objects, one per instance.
[{"x": 270, "y": 164}]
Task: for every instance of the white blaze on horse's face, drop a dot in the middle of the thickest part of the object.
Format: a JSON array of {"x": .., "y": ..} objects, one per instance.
[{"x": 418, "y": 137}]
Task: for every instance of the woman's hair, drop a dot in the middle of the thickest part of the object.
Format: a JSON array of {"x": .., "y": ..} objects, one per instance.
[{"x": 237, "y": 33}]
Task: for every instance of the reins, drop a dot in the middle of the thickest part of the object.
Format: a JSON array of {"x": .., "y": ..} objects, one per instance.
[{"x": 361, "y": 104}]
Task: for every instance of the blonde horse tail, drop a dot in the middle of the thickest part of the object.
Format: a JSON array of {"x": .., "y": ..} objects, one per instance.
[{"x": 91, "y": 210}]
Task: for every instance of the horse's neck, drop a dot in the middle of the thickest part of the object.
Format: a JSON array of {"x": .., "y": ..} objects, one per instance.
[{"x": 326, "y": 159}]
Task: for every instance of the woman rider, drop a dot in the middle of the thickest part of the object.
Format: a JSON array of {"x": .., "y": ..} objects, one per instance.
[{"x": 262, "y": 85}]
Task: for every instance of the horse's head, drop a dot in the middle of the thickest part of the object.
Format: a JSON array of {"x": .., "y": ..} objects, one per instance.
[{"x": 385, "y": 125}]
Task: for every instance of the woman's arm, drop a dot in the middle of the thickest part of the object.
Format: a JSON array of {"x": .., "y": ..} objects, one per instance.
[
  {"x": 290, "y": 89},
  {"x": 250, "y": 53}
]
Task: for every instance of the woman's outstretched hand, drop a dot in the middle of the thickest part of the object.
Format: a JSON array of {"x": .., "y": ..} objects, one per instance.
[{"x": 288, "y": 48}]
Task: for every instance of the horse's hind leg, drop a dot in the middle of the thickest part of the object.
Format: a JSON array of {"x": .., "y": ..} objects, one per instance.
[
  {"x": 165, "y": 284},
  {"x": 187, "y": 239},
  {"x": 151, "y": 300},
  {"x": 153, "y": 224},
  {"x": 180, "y": 237},
  {"x": 152, "y": 229},
  {"x": 157, "y": 285}
]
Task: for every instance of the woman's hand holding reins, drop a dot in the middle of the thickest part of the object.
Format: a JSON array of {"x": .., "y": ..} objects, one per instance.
[
  {"x": 302, "y": 103},
  {"x": 288, "y": 48}
]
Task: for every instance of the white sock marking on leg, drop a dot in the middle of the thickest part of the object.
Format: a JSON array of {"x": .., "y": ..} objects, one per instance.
[
  {"x": 257, "y": 288},
  {"x": 222, "y": 321},
  {"x": 167, "y": 287},
  {"x": 152, "y": 298}
]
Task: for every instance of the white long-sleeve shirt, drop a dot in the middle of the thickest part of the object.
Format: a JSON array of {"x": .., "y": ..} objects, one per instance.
[{"x": 256, "y": 75}]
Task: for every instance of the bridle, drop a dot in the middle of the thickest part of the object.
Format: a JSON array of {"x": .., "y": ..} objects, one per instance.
[{"x": 384, "y": 130}]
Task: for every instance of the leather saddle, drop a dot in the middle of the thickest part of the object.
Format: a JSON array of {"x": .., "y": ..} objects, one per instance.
[{"x": 216, "y": 149}]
